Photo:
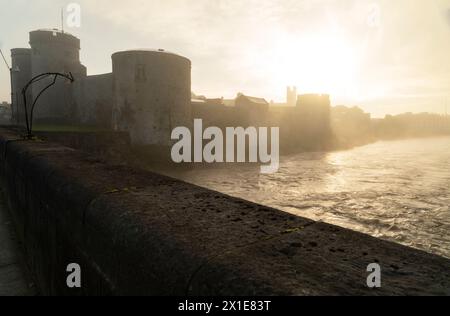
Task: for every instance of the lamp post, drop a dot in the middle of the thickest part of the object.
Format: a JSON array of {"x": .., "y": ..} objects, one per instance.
[{"x": 55, "y": 75}]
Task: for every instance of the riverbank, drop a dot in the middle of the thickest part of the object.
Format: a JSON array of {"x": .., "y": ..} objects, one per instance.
[
  {"x": 181, "y": 239},
  {"x": 395, "y": 190}
]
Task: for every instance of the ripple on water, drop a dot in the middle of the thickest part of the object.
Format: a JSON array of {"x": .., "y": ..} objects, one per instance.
[{"x": 399, "y": 190}]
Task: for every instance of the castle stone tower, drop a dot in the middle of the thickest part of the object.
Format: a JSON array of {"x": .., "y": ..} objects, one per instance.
[
  {"x": 152, "y": 95},
  {"x": 21, "y": 74},
  {"x": 55, "y": 51}
]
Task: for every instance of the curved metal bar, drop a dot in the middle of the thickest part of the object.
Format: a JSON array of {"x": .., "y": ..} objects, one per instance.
[
  {"x": 29, "y": 121},
  {"x": 37, "y": 98}
]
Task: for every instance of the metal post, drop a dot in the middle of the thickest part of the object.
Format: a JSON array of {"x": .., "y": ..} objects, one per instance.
[
  {"x": 13, "y": 103},
  {"x": 55, "y": 75}
]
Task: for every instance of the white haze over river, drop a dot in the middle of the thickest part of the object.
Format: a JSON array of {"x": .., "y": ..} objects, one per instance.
[{"x": 395, "y": 190}]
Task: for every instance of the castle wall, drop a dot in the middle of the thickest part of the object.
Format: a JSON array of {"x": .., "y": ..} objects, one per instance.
[
  {"x": 152, "y": 93},
  {"x": 55, "y": 51},
  {"x": 95, "y": 100},
  {"x": 21, "y": 75}
]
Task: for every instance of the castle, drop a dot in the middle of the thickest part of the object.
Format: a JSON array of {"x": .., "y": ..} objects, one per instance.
[{"x": 147, "y": 94}]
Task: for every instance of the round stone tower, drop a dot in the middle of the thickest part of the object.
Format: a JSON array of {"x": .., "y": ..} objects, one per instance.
[
  {"x": 152, "y": 93},
  {"x": 55, "y": 51},
  {"x": 21, "y": 74}
]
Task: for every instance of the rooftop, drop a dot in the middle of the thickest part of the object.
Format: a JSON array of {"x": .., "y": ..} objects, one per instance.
[
  {"x": 149, "y": 50},
  {"x": 57, "y": 31},
  {"x": 254, "y": 99},
  {"x": 52, "y": 34}
]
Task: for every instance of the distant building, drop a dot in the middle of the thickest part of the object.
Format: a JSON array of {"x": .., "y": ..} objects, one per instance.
[
  {"x": 229, "y": 102},
  {"x": 304, "y": 126},
  {"x": 291, "y": 96},
  {"x": 313, "y": 117},
  {"x": 217, "y": 101},
  {"x": 251, "y": 103},
  {"x": 351, "y": 125},
  {"x": 251, "y": 110},
  {"x": 312, "y": 101}
]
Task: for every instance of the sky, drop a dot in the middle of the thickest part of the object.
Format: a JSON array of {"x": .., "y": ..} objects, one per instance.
[{"x": 387, "y": 57}]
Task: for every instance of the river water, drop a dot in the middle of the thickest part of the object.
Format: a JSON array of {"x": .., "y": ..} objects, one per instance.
[{"x": 395, "y": 190}]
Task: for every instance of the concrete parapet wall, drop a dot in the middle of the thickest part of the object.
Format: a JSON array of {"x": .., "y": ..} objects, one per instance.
[
  {"x": 107, "y": 145},
  {"x": 139, "y": 233}
]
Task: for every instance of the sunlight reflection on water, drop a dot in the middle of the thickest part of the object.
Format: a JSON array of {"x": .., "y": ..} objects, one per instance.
[{"x": 398, "y": 190}]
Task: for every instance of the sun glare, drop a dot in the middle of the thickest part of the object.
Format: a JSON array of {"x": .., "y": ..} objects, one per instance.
[{"x": 319, "y": 63}]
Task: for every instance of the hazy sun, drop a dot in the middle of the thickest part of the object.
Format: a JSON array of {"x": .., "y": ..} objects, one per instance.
[{"x": 317, "y": 63}]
